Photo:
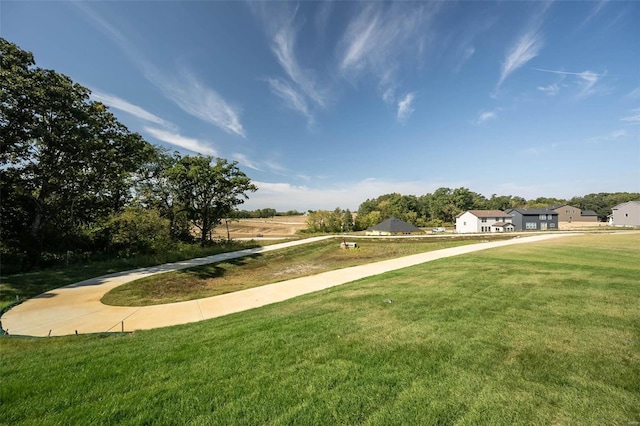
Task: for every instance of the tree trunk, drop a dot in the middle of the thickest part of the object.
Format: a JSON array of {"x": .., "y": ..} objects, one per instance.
[{"x": 34, "y": 242}]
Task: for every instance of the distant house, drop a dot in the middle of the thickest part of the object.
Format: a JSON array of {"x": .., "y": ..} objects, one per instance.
[
  {"x": 625, "y": 214},
  {"x": 473, "y": 221},
  {"x": 394, "y": 226},
  {"x": 567, "y": 213},
  {"x": 534, "y": 219}
]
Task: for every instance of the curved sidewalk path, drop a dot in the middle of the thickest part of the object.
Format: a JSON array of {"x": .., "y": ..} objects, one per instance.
[{"x": 76, "y": 308}]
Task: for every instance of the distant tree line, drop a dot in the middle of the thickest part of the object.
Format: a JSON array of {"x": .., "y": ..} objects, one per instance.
[
  {"x": 325, "y": 221},
  {"x": 444, "y": 204},
  {"x": 261, "y": 213},
  {"x": 74, "y": 180}
]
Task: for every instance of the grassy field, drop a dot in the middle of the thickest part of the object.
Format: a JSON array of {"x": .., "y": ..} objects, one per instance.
[
  {"x": 547, "y": 333},
  {"x": 258, "y": 270}
]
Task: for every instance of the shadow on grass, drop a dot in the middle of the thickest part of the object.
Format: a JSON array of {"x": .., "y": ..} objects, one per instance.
[
  {"x": 26, "y": 285},
  {"x": 214, "y": 270}
]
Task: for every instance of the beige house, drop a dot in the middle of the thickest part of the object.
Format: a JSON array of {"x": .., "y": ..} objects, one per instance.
[
  {"x": 625, "y": 214},
  {"x": 567, "y": 213}
]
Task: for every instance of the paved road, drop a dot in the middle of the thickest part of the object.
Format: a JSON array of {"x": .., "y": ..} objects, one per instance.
[{"x": 76, "y": 308}]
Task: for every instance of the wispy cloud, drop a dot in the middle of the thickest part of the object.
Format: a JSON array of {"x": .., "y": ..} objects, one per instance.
[
  {"x": 464, "y": 55},
  {"x": 104, "y": 26},
  {"x": 380, "y": 35},
  {"x": 457, "y": 47},
  {"x": 550, "y": 90},
  {"x": 176, "y": 139},
  {"x": 610, "y": 137},
  {"x": 196, "y": 99},
  {"x": 526, "y": 47},
  {"x": 299, "y": 89},
  {"x": 123, "y": 105},
  {"x": 523, "y": 50},
  {"x": 168, "y": 132},
  {"x": 294, "y": 100},
  {"x": 283, "y": 45},
  {"x": 634, "y": 117},
  {"x": 246, "y": 161},
  {"x": 595, "y": 10},
  {"x": 587, "y": 81},
  {"x": 362, "y": 40},
  {"x": 634, "y": 94},
  {"x": 190, "y": 94},
  {"x": 404, "y": 108},
  {"x": 485, "y": 116}
]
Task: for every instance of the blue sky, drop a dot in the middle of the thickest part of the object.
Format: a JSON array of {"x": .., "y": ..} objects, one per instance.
[{"x": 326, "y": 104}]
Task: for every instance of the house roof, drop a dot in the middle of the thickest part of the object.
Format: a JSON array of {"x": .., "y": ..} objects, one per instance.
[
  {"x": 622, "y": 204},
  {"x": 526, "y": 212},
  {"x": 486, "y": 213},
  {"x": 554, "y": 207},
  {"x": 503, "y": 224},
  {"x": 588, "y": 213},
  {"x": 395, "y": 225}
]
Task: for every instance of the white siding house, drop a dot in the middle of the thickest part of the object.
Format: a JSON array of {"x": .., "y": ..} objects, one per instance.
[
  {"x": 625, "y": 214},
  {"x": 473, "y": 221}
]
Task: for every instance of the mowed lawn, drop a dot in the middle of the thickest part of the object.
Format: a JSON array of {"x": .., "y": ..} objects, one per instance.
[{"x": 544, "y": 333}]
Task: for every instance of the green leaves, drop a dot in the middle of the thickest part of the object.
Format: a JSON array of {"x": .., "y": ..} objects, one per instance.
[
  {"x": 66, "y": 160},
  {"x": 208, "y": 191}
]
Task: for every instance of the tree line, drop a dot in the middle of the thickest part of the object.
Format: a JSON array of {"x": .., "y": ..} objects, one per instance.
[
  {"x": 261, "y": 213},
  {"x": 444, "y": 204},
  {"x": 73, "y": 179}
]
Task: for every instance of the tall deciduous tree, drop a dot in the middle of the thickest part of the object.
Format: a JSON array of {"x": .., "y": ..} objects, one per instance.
[
  {"x": 65, "y": 159},
  {"x": 155, "y": 189},
  {"x": 208, "y": 191}
]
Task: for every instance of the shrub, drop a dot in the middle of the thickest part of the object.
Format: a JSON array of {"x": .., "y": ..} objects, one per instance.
[{"x": 138, "y": 231}]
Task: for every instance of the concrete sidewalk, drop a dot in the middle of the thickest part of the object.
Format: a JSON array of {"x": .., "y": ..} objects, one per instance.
[{"x": 77, "y": 308}]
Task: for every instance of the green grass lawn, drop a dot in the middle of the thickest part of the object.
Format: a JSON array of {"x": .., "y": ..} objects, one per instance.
[
  {"x": 544, "y": 333},
  {"x": 270, "y": 267}
]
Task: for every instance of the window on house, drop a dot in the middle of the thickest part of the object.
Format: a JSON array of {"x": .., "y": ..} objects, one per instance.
[
  {"x": 542, "y": 217},
  {"x": 552, "y": 225},
  {"x": 531, "y": 225},
  {"x": 549, "y": 217},
  {"x": 484, "y": 220}
]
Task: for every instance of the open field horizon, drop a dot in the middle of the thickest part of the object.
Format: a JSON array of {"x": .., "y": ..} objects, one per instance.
[{"x": 290, "y": 226}]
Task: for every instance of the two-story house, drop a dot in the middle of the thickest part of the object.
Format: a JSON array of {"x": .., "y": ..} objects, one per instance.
[
  {"x": 625, "y": 214},
  {"x": 473, "y": 221},
  {"x": 534, "y": 219},
  {"x": 567, "y": 213}
]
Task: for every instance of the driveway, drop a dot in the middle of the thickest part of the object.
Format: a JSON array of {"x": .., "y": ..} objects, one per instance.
[{"x": 76, "y": 308}]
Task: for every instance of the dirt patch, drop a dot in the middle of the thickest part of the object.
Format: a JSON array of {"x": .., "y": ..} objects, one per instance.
[
  {"x": 303, "y": 268},
  {"x": 284, "y": 226},
  {"x": 567, "y": 226}
]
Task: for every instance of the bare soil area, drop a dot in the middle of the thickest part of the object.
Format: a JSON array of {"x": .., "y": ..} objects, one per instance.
[
  {"x": 274, "y": 227},
  {"x": 568, "y": 226}
]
